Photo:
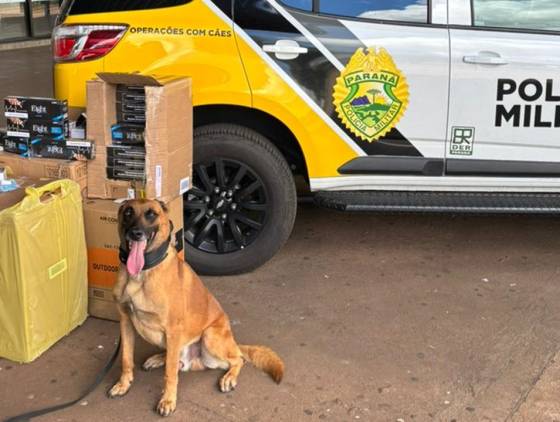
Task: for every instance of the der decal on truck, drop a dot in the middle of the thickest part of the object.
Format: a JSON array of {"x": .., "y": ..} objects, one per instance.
[{"x": 462, "y": 140}]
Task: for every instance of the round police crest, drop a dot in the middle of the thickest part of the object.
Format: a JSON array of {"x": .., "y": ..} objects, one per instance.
[{"x": 371, "y": 94}]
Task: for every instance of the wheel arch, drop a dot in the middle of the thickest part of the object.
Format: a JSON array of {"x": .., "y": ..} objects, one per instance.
[{"x": 263, "y": 123}]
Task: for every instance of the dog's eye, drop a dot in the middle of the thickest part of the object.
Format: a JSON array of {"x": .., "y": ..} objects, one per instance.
[
  {"x": 129, "y": 212},
  {"x": 150, "y": 215}
]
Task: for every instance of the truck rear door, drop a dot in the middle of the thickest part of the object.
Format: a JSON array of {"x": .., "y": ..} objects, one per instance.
[{"x": 504, "y": 118}]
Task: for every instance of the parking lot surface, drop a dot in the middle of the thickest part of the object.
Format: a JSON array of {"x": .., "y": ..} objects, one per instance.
[{"x": 378, "y": 318}]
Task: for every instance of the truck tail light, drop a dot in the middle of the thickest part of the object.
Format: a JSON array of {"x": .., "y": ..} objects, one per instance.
[{"x": 75, "y": 43}]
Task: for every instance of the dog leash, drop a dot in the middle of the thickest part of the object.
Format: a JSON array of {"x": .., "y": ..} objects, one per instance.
[{"x": 25, "y": 417}]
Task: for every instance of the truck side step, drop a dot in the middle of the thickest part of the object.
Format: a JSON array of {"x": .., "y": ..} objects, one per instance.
[{"x": 445, "y": 202}]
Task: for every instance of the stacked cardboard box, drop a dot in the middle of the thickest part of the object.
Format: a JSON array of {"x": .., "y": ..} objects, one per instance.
[
  {"x": 167, "y": 136},
  {"x": 137, "y": 122},
  {"x": 165, "y": 154},
  {"x": 103, "y": 243},
  {"x": 45, "y": 168}
]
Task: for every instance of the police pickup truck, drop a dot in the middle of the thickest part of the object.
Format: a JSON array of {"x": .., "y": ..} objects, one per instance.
[{"x": 439, "y": 105}]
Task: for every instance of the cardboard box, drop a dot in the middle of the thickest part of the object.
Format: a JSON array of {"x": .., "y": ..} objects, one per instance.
[
  {"x": 9, "y": 199},
  {"x": 100, "y": 217},
  {"x": 47, "y": 168},
  {"x": 168, "y": 135}
]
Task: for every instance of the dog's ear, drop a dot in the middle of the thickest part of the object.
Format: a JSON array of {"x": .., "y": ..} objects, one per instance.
[
  {"x": 163, "y": 206},
  {"x": 123, "y": 206}
]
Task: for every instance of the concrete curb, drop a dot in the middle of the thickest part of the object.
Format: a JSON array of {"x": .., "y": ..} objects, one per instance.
[{"x": 24, "y": 44}]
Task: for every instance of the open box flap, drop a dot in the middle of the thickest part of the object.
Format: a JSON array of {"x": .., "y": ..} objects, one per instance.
[{"x": 137, "y": 79}]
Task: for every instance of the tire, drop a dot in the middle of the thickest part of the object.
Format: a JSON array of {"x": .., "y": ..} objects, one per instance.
[{"x": 254, "y": 209}]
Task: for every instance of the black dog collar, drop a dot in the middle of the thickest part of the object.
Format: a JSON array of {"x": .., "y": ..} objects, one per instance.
[{"x": 153, "y": 258}]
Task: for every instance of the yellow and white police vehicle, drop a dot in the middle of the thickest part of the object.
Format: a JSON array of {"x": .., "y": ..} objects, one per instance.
[{"x": 439, "y": 105}]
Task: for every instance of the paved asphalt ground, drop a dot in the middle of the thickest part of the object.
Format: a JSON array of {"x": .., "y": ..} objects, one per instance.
[{"x": 378, "y": 317}]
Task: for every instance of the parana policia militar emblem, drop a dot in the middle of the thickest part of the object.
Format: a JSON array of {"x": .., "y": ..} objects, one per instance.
[{"x": 371, "y": 94}]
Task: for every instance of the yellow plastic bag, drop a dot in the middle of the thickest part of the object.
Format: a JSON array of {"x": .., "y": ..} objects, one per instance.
[{"x": 43, "y": 270}]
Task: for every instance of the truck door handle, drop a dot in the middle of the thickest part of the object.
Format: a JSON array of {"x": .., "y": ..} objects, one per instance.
[
  {"x": 486, "y": 57},
  {"x": 285, "y": 49}
]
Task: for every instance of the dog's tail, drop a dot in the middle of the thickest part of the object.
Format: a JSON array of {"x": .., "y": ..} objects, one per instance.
[{"x": 265, "y": 359}]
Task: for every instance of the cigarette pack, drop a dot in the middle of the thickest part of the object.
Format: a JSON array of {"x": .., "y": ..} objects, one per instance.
[
  {"x": 125, "y": 162},
  {"x": 124, "y": 134},
  {"x": 27, "y": 128},
  {"x": 125, "y": 173},
  {"x": 16, "y": 145},
  {"x": 126, "y": 152},
  {"x": 64, "y": 150},
  {"x": 138, "y": 118},
  {"x": 127, "y": 93},
  {"x": 134, "y": 107},
  {"x": 36, "y": 108}
]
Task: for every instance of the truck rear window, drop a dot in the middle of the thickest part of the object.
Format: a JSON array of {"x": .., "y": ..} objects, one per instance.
[{"x": 80, "y": 7}]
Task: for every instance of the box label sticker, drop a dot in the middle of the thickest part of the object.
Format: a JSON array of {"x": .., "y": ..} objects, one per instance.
[
  {"x": 16, "y": 134},
  {"x": 17, "y": 114},
  {"x": 85, "y": 144},
  {"x": 57, "y": 269},
  {"x": 184, "y": 185},
  {"x": 103, "y": 294},
  {"x": 159, "y": 176}
]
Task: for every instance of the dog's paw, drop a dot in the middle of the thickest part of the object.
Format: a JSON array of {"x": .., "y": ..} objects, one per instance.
[
  {"x": 154, "y": 362},
  {"x": 119, "y": 389},
  {"x": 228, "y": 383},
  {"x": 166, "y": 406}
]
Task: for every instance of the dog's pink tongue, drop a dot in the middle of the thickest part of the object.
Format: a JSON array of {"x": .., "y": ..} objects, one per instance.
[{"x": 135, "y": 261}]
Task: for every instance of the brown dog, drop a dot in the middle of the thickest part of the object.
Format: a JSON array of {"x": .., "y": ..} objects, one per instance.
[{"x": 159, "y": 295}]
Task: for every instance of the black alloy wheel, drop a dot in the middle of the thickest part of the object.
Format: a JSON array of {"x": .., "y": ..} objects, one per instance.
[
  {"x": 242, "y": 205},
  {"x": 227, "y": 207}
]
